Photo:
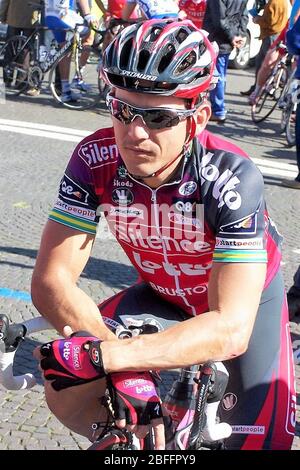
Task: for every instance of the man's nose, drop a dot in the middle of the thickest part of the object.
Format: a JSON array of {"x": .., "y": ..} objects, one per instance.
[{"x": 137, "y": 129}]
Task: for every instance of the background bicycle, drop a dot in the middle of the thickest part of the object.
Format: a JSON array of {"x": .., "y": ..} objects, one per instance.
[
  {"x": 288, "y": 105},
  {"x": 271, "y": 92},
  {"x": 25, "y": 63},
  {"x": 190, "y": 405}
]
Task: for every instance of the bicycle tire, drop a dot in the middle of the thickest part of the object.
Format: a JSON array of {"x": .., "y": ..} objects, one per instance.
[
  {"x": 269, "y": 96},
  {"x": 84, "y": 99},
  {"x": 13, "y": 71},
  {"x": 290, "y": 131}
]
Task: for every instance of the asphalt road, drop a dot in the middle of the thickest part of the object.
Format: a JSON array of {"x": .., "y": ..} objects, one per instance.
[{"x": 36, "y": 139}]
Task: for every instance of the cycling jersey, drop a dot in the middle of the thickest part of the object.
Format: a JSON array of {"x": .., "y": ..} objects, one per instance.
[
  {"x": 59, "y": 8},
  {"x": 195, "y": 11},
  {"x": 157, "y": 8},
  {"x": 61, "y": 15},
  {"x": 115, "y": 7},
  {"x": 212, "y": 211}
]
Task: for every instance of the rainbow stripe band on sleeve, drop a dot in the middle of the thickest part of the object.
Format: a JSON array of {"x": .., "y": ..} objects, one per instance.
[
  {"x": 240, "y": 256},
  {"x": 73, "y": 222}
]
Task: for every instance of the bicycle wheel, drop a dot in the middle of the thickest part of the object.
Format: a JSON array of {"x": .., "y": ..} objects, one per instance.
[
  {"x": 14, "y": 63},
  {"x": 84, "y": 82},
  {"x": 269, "y": 96},
  {"x": 290, "y": 130}
]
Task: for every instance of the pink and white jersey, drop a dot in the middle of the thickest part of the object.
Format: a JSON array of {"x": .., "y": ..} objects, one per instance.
[{"x": 213, "y": 211}]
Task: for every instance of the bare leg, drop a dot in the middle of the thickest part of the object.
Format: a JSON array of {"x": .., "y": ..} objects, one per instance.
[{"x": 78, "y": 407}]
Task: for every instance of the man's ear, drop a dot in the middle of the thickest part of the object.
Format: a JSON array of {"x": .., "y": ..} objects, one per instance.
[{"x": 203, "y": 115}]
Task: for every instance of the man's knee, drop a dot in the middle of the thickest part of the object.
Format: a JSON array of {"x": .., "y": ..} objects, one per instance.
[{"x": 78, "y": 407}]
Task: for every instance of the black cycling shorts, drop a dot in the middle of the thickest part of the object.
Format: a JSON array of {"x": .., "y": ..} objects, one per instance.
[{"x": 260, "y": 401}]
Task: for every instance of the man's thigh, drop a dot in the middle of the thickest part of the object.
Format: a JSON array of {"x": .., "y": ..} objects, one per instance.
[{"x": 259, "y": 399}]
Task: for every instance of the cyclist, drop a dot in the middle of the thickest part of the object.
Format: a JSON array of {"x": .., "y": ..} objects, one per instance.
[
  {"x": 273, "y": 56},
  {"x": 151, "y": 8},
  {"x": 62, "y": 14},
  {"x": 188, "y": 209},
  {"x": 112, "y": 12},
  {"x": 194, "y": 10}
]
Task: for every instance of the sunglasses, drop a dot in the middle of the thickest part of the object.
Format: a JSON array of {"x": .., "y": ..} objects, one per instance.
[{"x": 154, "y": 118}]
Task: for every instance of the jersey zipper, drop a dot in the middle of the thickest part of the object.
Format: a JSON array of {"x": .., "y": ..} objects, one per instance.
[{"x": 165, "y": 254}]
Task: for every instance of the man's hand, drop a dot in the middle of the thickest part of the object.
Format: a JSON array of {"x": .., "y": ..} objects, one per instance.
[
  {"x": 92, "y": 20},
  {"x": 71, "y": 361},
  {"x": 136, "y": 404}
]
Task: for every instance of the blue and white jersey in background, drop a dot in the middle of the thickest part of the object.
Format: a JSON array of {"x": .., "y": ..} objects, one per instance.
[
  {"x": 59, "y": 8},
  {"x": 157, "y": 8}
]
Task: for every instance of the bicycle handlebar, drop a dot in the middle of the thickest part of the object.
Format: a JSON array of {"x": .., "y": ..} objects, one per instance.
[
  {"x": 19, "y": 382},
  {"x": 212, "y": 430}
]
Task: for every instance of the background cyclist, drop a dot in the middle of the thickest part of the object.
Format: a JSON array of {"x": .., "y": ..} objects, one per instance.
[
  {"x": 188, "y": 209},
  {"x": 63, "y": 15}
]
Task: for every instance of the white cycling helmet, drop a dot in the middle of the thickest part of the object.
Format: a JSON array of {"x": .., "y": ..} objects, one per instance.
[{"x": 163, "y": 57}]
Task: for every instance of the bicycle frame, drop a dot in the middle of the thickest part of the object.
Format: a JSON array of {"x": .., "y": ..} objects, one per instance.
[{"x": 199, "y": 428}]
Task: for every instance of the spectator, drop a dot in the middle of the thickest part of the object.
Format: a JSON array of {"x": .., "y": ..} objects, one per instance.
[
  {"x": 194, "y": 10},
  {"x": 113, "y": 11},
  {"x": 271, "y": 22},
  {"x": 226, "y": 22},
  {"x": 20, "y": 18}
]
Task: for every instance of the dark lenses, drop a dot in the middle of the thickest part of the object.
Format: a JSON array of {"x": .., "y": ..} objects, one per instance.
[{"x": 154, "y": 118}]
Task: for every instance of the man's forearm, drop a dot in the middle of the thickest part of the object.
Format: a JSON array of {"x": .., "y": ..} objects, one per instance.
[
  {"x": 101, "y": 6},
  {"x": 206, "y": 337},
  {"x": 85, "y": 7},
  {"x": 67, "y": 304}
]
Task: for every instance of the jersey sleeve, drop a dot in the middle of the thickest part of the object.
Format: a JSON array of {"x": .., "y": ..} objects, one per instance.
[
  {"x": 76, "y": 204},
  {"x": 237, "y": 212}
]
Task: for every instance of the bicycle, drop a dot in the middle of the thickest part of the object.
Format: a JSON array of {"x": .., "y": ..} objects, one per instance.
[
  {"x": 25, "y": 62},
  {"x": 288, "y": 105},
  {"x": 197, "y": 429},
  {"x": 271, "y": 92}
]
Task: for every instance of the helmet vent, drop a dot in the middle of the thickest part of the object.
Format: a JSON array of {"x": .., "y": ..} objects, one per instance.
[
  {"x": 143, "y": 59},
  {"x": 167, "y": 58},
  {"x": 202, "y": 48},
  {"x": 154, "y": 34},
  {"x": 181, "y": 35},
  {"x": 189, "y": 60},
  {"x": 125, "y": 53}
]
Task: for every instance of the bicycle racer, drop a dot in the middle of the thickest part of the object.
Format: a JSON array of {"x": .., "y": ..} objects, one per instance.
[
  {"x": 188, "y": 209},
  {"x": 59, "y": 16}
]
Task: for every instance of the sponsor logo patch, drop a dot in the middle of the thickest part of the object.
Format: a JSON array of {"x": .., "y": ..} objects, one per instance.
[
  {"x": 188, "y": 188},
  {"x": 126, "y": 212},
  {"x": 122, "y": 196},
  {"x": 71, "y": 191},
  {"x": 248, "y": 429},
  {"x": 77, "y": 211},
  {"x": 247, "y": 225},
  {"x": 181, "y": 219},
  {"x": 239, "y": 244},
  {"x": 229, "y": 401},
  {"x": 122, "y": 172}
]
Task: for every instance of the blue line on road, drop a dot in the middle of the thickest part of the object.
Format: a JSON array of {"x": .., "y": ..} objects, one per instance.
[{"x": 15, "y": 294}]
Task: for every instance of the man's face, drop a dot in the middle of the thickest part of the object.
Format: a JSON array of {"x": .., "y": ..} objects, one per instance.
[{"x": 145, "y": 150}]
